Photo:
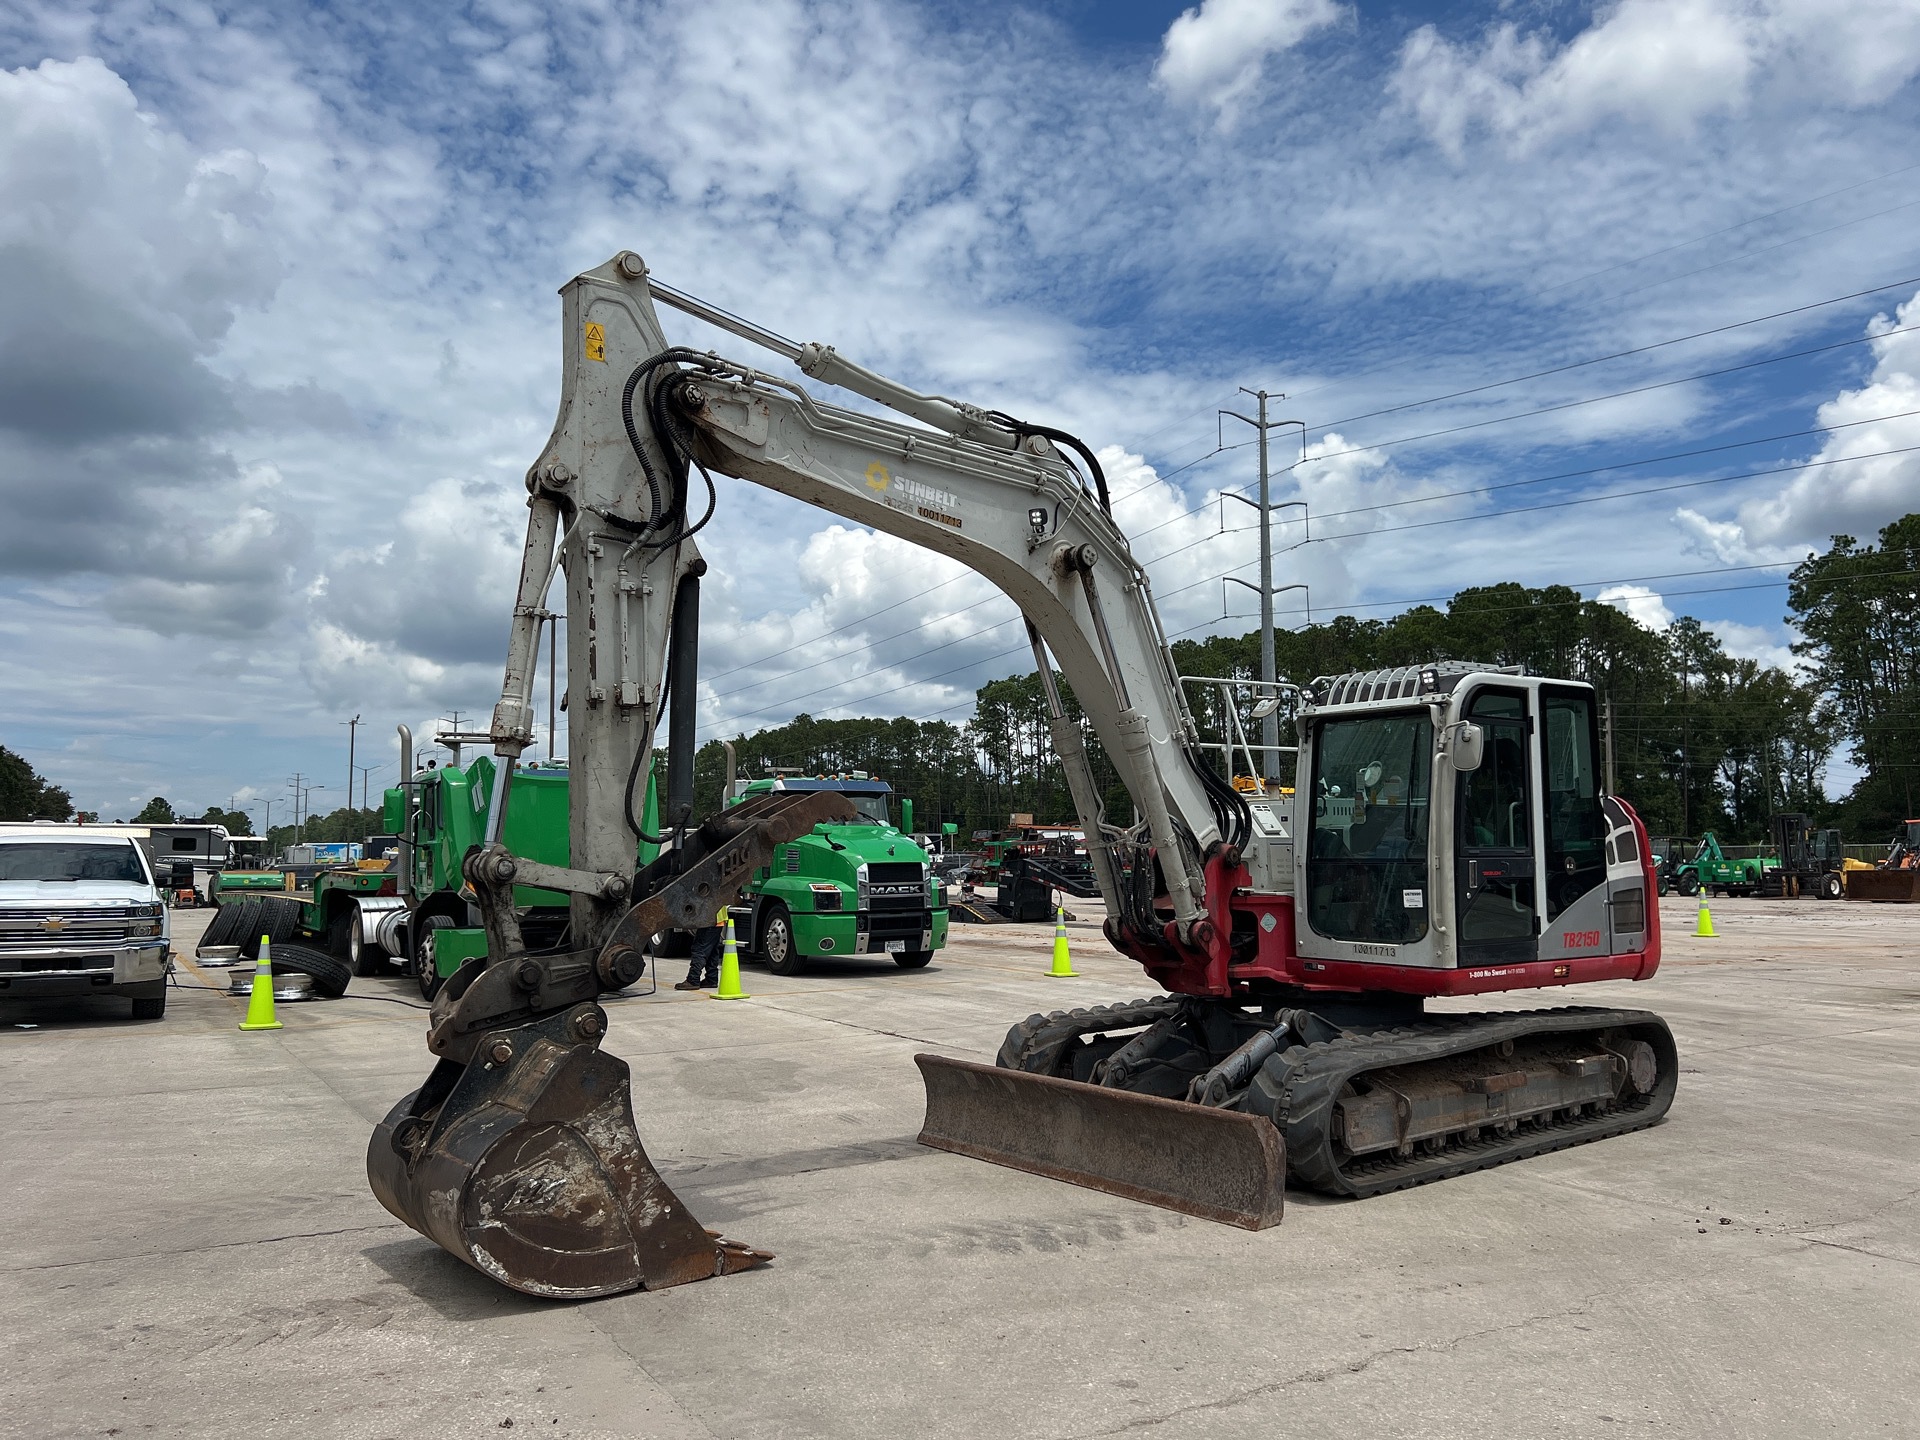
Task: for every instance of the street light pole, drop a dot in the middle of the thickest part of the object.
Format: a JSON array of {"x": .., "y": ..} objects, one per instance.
[{"x": 353, "y": 733}]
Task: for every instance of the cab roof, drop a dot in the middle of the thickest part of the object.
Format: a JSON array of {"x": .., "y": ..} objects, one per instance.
[{"x": 827, "y": 782}]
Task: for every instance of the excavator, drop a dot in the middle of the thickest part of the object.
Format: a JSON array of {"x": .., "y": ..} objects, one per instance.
[{"x": 1447, "y": 836}]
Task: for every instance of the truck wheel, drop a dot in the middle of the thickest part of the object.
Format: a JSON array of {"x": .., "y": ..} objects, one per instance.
[
  {"x": 153, "y": 1009},
  {"x": 1832, "y": 887},
  {"x": 424, "y": 971},
  {"x": 328, "y": 973},
  {"x": 224, "y": 928},
  {"x": 776, "y": 941},
  {"x": 912, "y": 959},
  {"x": 277, "y": 919},
  {"x": 363, "y": 955},
  {"x": 338, "y": 927},
  {"x": 1689, "y": 883}
]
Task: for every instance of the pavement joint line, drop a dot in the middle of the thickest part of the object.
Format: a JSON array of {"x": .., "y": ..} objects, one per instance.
[
  {"x": 1774, "y": 1231},
  {"x": 1324, "y": 1373},
  {"x": 1850, "y": 1249},
  {"x": 593, "y": 1324},
  {"x": 868, "y": 1029},
  {"x": 187, "y": 960},
  {"x": 203, "y": 1249},
  {"x": 1803, "y": 1032}
]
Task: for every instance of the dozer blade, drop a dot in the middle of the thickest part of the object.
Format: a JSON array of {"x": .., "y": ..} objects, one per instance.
[
  {"x": 1898, "y": 886},
  {"x": 1214, "y": 1164},
  {"x": 530, "y": 1169}
]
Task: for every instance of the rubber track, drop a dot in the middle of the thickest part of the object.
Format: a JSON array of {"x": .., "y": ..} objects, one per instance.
[
  {"x": 1037, "y": 1043},
  {"x": 1298, "y": 1088}
]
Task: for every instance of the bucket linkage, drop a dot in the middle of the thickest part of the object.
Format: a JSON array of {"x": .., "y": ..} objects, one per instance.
[{"x": 520, "y": 1154}]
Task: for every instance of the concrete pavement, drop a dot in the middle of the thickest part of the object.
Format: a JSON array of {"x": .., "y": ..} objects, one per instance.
[{"x": 191, "y": 1249}]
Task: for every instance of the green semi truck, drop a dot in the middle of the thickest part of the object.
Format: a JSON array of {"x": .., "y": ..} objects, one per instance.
[
  {"x": 859, "y": 888},
  {"x": 413, "y": 910}
]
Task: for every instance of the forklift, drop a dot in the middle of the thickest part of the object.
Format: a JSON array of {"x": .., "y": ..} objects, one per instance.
[{"x": 1810, "y": 861}]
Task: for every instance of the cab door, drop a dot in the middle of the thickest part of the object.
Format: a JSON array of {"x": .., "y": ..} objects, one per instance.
[{"x": 1495, "y": 872}]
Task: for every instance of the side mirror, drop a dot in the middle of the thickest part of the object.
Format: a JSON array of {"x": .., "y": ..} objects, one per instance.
[{"x": 1469, "y": 746}]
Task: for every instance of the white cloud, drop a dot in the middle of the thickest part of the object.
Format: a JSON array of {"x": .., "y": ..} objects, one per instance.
[
  {"x": 1664, "y": 63},
  {"x": 1647, "y": 607},
  {"x": 1754, "y": 642},
  {"x": 1865, "y": 487},
  {"x": 1215, "y": 54}
]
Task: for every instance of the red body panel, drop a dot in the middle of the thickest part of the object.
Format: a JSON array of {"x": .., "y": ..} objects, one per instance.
[{"x": 1206, "y": 968}]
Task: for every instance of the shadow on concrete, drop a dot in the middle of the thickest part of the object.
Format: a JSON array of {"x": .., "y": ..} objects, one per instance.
[
  {"x": 454, "y": 1289},
  {"x": 711, "y": 1175},
  {"x": 80, "y": 1012}
]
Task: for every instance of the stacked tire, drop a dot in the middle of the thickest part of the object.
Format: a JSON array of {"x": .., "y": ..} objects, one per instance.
[{"x": 278, "y": 920}]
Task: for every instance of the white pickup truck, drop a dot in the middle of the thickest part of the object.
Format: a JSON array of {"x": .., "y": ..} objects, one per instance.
[{"x": 80, "y": 914}]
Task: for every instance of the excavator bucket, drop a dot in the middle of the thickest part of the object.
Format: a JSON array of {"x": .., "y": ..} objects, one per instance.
[
  {"x": 1899, "y": 886},
  {"x": 520, "y": 1155},
  {"x": 530, "y": 1169},
  {"x": 1214, "y": 1164}
]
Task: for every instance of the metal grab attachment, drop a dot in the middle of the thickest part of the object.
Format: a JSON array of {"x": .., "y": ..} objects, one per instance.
[
  {"x": 520, "y": 1154},
  {"x": 1219, "y": 1165}
]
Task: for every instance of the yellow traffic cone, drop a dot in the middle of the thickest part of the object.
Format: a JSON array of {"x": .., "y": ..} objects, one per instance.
[
  {"x": 260, "y": 1002},
  {"x": 729, "y": 987},
  {"x": 1704, "y": 926},
  {"x": 1062, "y": 961}
]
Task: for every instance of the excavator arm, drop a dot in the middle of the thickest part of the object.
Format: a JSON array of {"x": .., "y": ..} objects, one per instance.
[{"x": 520, "y": 1153}]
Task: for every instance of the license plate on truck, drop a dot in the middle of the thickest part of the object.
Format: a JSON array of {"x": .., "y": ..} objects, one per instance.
[{"x": 896, "y": 947}]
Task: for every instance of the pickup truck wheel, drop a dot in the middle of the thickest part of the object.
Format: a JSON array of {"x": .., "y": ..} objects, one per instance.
[
  {"x": 912, "y": 959},
  {"x": 424, "y": 971},
  {"x": 153, "y": 1009},
  {"x": 776, "y": 941}
]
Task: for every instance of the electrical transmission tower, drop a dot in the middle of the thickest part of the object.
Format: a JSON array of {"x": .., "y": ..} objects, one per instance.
[{"x": 1270, "y": 722}]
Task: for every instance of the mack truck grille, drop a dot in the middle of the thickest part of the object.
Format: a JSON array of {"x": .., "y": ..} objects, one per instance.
[
  {"x": 896, "y": 885},
  {"x": 886, "y": 925}
]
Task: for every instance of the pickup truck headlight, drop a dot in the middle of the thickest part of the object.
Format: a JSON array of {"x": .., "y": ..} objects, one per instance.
[
  {"x": 144, "y": 927},
  {"x": 154, "y": 910},
  {"x": 826, "y": 897}
]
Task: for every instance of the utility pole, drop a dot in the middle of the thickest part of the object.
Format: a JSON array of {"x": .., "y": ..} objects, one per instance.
[
  {"x": 1606, "y": 709},
  {"x": 365, "y": 794},
  {"x": 1270, "y": 724},
  {"x": 353, "y": 732},
  {"x": 295, "y": 783}
]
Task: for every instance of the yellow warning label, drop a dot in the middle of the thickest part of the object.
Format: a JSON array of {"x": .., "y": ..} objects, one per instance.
[
  {"x": 878, "y": 476},
  {"x": 596, "y": 341}
]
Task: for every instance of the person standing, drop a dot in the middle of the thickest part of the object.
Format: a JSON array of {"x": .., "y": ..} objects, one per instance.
[{"x": 703, "y": 969}]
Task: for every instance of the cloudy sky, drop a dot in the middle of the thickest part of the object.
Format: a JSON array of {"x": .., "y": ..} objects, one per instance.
[{"x": 279, "y": 337}]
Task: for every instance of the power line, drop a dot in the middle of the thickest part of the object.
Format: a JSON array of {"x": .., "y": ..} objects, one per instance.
[
  {"x": 1611, "y": 395},
  {"x": 1621, "y": 354},
  {"x": 1619, "y": 465},
  {"x": 1615, "y": 495}
]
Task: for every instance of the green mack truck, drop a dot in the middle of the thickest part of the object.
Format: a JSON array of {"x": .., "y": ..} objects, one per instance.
[
  {"x": 413, "y": 910},
  {"x": 859, "y": 888}
]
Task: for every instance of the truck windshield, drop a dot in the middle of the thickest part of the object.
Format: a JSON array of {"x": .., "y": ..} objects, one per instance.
[
  {"x": 57, "y": 861},
  {"x": 1367, "y": 861},
  {"x": 871, "y": 809}
]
